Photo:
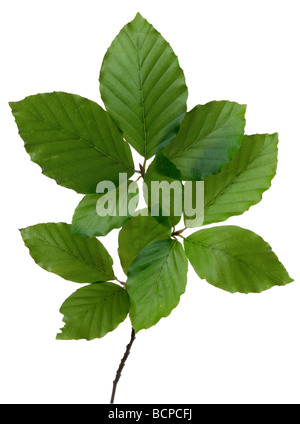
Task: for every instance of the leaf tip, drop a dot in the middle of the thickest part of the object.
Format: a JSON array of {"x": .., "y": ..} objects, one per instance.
[
  {"x": 138, "y": 20},
  {"x": 138, "y": 16}
]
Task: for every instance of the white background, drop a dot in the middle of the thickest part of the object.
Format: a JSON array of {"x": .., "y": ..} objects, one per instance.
[{"x": 214, "y": 347}]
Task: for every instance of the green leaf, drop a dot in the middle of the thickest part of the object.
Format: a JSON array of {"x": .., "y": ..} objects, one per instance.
[
  {"x": 208, "y": 137},
  {"x": 73, "y": 140},
  {"x": 162, "y": 172},
  {"x": 74, "y": 258},
  {"x": 193, "y": 204},
  {"x": 143, "y": 87},
  {"x": 156, "y": 280},
  {"x": 88, "y": 223},
  {"x": 235, "y": 260},
  {"x": 242, "y": 182},
  {"x": 93, "y": 311},
  {"x": 136, "y": 235}
]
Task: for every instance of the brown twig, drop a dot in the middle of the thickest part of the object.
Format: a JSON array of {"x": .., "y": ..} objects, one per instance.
[
  {"x": 121, "y": 366},
  {"x": 142, "y": 169},
  {"x": 177, "y": 233}
]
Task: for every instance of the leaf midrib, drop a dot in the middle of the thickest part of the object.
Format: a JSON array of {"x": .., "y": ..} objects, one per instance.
[
  {"x": 235, "y": 177},
  {"x": 76, "y": 136},
  {"x": 156, "y": 283},
  {"x": 164, "y": 264},
  {"x": 206, "y": 136},
  {"x": 141, "y": 87},
  {"x": 233, "y": 181},
  {"x": 92, "y": 307},
  {"x": 231, "y": 256},
  {"x": 71, "y": 253}
]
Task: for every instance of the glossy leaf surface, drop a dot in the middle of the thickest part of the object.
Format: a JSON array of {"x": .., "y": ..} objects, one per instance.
[
  {"x": 143, "y": 87},
  {"x": 208, "y": 137},
  {"x": 73, "y": 140},
  {"x": 74, "y": 258},
  {"x": 93, "y": 311},
  {"x": 156, "y": 280},
  {"x": 243, "y": 181},
  {"x": 136, "y": 235},
  {"x": 167, "y": 180},
  {"x": 88, "y": 223},
  {"x": 235, "y": 260}
]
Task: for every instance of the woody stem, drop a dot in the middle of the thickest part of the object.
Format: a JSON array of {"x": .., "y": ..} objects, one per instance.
[{"x": 121, "y": 366}]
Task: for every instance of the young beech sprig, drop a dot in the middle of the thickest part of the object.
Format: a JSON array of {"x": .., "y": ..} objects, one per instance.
[{"x": 79, "y": 144}]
